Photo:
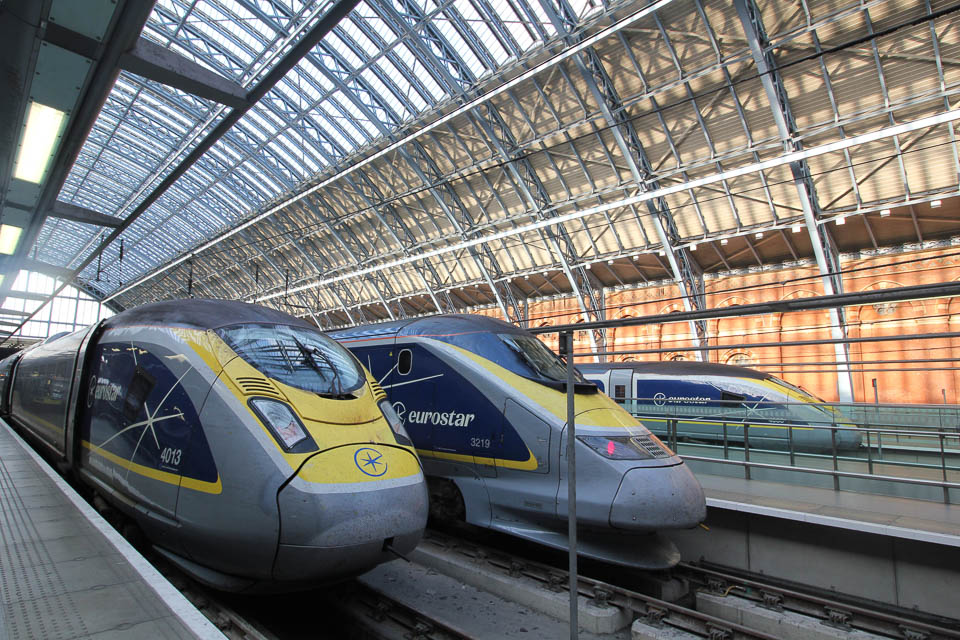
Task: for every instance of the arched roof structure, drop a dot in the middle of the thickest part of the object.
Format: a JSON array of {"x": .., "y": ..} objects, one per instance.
[{"x": 437, "y": 155}]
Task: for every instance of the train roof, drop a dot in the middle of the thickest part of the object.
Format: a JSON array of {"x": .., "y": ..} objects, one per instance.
[
  {"x": 677, "y": 368},
  {"x": 200, "y": 313},
  {"x": 446, "y": 324}
]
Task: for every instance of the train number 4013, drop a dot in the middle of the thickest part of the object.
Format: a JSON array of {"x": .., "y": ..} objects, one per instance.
[{"x": 171, "y": 456}]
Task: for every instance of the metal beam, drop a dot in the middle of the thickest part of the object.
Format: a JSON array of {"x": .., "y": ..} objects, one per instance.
[
  {"x": 826, "y": 254},
  {"x": 154, "y": 62},
  {"x": 323, "y": 26},
  {"x": 72, "y": 212},
  {"x": 686, "y": 271}
]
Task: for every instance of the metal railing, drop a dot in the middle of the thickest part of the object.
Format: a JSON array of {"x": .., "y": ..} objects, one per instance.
[{"x": 860, "y": 447}]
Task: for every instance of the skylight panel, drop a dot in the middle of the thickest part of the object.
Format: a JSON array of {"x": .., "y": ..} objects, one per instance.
[
  {"x": 288, "y": 155},
  {"x": 545, "y": 23},
  {"x": 386, "y": 95},
  {"x": 514, "y": 23},
  {"x": 410, "y": 94},
  {"x": 414, "y": 67},
  {"x": 213, "y": 34},
  {"x": 261, "y": 123},
  {"x": 305, "y": 162},
  {"x": 381, "y": 28},
  {"x": 358, "y": 36},
  {"x": 458, "y": 44},
  {"x": 289, "y": 87},
  {"x": 333, "y": 131},
  {"x": 349, "y": 57},
  {"x": 484, "y": 33},
  {"x": 307, "y": 83}
]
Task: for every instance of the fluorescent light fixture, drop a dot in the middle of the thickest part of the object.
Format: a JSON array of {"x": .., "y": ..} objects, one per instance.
[
  {"x": 39, "y": 137},
  {"x": 842, "y": 221},
  {"x": 693, "y": 247},
  {"x": 609, "y": 261},
  {"x": 589, "y": 266},
  {"x": 884, "y": 213},
  {"x": 723, "y": 241},
  {"x": 758, "y": 235},
  {"x": 661, "y": 252},
  {"x": 9, "y": 237},
  {"x": 935, "y": 203},
  {"x": 797, "y": 228}
]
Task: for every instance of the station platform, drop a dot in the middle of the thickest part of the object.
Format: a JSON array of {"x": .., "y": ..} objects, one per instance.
[
  {"x": 897, "y": 550},
  {"x": 66, "y": 573},
  {"x": 892, "y": 516}
]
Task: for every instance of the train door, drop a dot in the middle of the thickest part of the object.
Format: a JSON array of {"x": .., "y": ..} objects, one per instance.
[{"x": 620, "y": 389}]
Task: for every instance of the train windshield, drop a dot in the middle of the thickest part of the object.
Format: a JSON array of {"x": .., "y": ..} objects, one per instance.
[
  {"x": 537, "y": 357},
  {"x": 297, "y": 356}
]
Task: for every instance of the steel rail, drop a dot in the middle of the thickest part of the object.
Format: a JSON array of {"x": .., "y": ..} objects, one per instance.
[
  {"x": 762, "y": 345},
  {"x": 792, "y": 599},
  {"x": 653, "y": 610},
  {"x": 829, "y": 472},
  {"x": 375, "y": 611}
]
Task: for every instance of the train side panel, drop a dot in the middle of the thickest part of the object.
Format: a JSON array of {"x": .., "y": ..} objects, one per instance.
[
  {"x": 139, "y": 430},
  {"x": 40, "y": 397},
  {"x": 7, "y": 366}
]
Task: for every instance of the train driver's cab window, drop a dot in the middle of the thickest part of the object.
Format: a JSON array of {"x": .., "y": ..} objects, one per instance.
[
  {"x": 140, "y": 387},
  {"x": 730, "y": 400},
  {"x": 404, "y": 362},
  {"x": 620, "y": 393}
]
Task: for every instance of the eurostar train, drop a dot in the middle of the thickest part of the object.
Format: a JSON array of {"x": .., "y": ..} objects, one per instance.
[
  {"x": 485, "y": 405},
  {"x": 254, "y": 452},
  {"x": 713, "y": 402}
]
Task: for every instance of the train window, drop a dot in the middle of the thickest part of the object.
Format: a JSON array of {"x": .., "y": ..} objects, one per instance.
[
  {"x": 619, "y": 393},
  {"x": 730, "y": 398},
  {"x": 404, "y": 362},
  {"x": 139, "y": 388}
]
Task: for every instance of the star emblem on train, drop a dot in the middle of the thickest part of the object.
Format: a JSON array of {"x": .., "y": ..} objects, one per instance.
[{"x": 370, "y": 461}]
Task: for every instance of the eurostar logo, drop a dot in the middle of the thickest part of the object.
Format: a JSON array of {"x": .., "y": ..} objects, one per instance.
[{"x": 370, "y": 462}]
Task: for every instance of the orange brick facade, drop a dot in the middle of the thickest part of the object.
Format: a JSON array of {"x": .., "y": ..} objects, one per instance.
[{"x": 897, "y": 366}]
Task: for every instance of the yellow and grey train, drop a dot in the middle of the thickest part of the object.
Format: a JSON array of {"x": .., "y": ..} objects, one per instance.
[
  {"x": 485, "y": 405},
  {"x": 253, "y": 451},
  {"x": 719, "y": 403}
]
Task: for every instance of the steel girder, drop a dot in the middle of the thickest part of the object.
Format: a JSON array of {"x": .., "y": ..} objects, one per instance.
[
  {"x": 825, "y": 251},
  {"x": 686, "y": 271}
]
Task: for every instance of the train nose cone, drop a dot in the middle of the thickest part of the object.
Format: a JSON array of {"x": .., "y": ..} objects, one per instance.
[
  {"x": 345, "y": 508},
  {"x": 656, "y": 498}
]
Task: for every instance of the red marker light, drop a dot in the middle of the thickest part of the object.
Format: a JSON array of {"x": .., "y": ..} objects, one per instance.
[{"x": 610, "y": 447}]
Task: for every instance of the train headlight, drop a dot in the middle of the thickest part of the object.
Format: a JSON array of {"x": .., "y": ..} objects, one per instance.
[
  {"x": 616, "y": 447},
  {"x": 283, "y": 424},
  {"x": 396, "y": 424}
]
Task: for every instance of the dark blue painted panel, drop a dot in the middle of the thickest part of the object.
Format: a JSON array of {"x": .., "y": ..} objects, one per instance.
[{"x": 136, "y": 409}]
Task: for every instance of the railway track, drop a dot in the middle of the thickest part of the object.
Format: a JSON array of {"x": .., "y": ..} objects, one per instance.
[
  {"x": 829, "y": 611},
  {"x": 845, "y": 615}
]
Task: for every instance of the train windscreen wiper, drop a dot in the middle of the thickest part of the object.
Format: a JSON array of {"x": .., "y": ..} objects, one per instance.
[{"x": 310, "y": 354}]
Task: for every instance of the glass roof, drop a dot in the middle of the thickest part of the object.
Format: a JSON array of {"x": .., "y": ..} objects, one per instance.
[{"x": 380, "y": 69}]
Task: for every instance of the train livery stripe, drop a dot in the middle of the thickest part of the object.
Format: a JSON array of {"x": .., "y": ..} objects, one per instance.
[{"x": 156, "y": 474}]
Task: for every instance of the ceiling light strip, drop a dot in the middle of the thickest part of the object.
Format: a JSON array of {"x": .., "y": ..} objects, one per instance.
[
  {"x": 555, "y": 60},
  {"x": 796, "y": 156}
]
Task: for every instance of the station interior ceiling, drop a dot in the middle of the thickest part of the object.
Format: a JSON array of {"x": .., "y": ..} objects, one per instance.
[{"x": 356, "y": 161}]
